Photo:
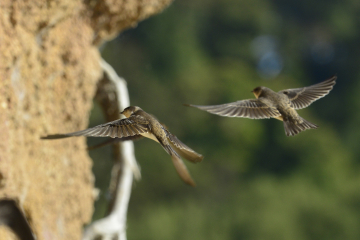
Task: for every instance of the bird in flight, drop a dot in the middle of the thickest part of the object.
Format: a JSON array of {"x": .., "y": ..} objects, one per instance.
[
  {"x": 139, "y": 124},
  {"x": 281, "y": 105}
]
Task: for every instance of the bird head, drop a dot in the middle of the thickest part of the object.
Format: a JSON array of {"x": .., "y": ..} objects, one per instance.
[
  {"x": 130, "y": 110},
  {"x": 257, "y": 91}
]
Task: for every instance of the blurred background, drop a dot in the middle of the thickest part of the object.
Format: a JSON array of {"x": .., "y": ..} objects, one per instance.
[{"x": 254, "y": 182}]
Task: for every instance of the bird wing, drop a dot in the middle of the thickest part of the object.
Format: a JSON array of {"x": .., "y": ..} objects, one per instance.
[
  {"x": 179, "y": 165},
  {"x": 182, "y": 149},
  {"x": 303, "y": 97},
  {"x": 182, "y": 170},
  {"x": 131, "y": 126},
  {"x": 178, "y": 146},
  {"x": 250, "y": 108},
  {"x": 115, "y": 140}
]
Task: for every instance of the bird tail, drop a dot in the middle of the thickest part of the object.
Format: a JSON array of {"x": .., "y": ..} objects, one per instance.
[{"x": 291, "y": 128}]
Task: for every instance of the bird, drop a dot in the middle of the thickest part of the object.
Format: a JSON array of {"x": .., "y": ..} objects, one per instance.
[
  {"x": 138, "y": 124},
  {"x": 280, "y": 105}
]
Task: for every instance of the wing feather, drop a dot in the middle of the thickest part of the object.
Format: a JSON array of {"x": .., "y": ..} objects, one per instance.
[
  {"x": 182, "y": 149},
  {"x": 250, "y": 108},
  {"x": 303, "y": 97},
  {"x": 117, "y": 129},
  {"x": 182, "y": 170}
]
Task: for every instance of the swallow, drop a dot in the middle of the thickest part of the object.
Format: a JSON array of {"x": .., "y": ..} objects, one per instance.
[
  {"x": 139, "y": 124},
  {"x": 280, "y": 105}
]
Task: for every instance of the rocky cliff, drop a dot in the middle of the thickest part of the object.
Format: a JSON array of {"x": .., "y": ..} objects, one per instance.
[{"x": 49, "y": 67}]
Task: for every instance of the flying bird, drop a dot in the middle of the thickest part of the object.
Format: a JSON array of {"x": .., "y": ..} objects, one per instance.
[
  {"x": 139, "y": 124},
  {"x": 281, "y": 105}
]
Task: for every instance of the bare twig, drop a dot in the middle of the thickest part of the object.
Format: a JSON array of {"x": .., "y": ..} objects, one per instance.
[{"x": 113, "y": 96}]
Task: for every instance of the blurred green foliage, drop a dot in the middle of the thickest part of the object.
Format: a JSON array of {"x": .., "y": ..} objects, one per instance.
[{"x": 254, "y": 182}]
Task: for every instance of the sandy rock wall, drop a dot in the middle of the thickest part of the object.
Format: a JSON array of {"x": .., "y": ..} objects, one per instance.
[{"x": 49, "y": 67}]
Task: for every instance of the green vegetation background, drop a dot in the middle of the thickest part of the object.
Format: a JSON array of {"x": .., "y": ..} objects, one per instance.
[{"x": 254, "y": 182}]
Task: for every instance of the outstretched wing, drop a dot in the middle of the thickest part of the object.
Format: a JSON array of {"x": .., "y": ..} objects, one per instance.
[
  {"x": 183, "y": 150},
  {"x": 115, "y": 140},
  {"x": 134, "y": 125},
  {"x": 179, "y": 165},
  {"x": 182, "y": 170},
  {"x": 250, "y": 108},
  {"x": 303, "y": 97}
]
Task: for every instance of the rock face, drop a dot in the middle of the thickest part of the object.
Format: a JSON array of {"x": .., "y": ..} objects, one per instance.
[{"x": 49, "y": 67}]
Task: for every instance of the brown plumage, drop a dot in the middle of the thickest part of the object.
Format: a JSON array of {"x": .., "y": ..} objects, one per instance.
[
  {"x": 137, "y": 124},
  {"x": 281, "y": 105}
]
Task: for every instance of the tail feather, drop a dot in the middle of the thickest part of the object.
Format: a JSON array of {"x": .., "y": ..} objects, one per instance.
[{"x": 291, "y": 129}]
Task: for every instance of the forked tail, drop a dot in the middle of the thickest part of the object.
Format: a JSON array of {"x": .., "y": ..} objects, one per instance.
[{"x": 291, "y": 129}]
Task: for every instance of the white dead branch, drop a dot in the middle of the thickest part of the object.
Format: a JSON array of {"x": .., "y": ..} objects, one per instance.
[{"x": 114, "y": 225}]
